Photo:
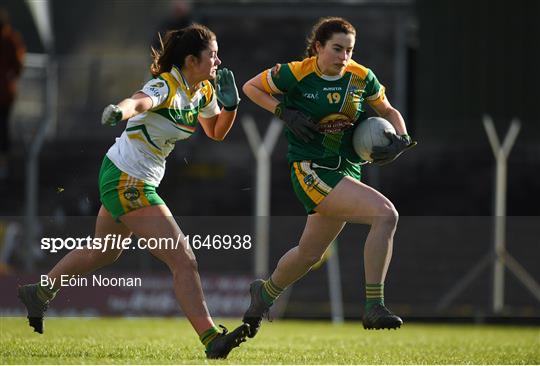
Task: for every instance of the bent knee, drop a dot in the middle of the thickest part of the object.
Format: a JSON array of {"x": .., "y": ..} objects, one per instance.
[{"x": 386, "y": 215}]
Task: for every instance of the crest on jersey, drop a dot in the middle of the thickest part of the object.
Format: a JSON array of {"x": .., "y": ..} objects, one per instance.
[
  {"x": 334, "y": 123},
  {"x": 159, "y": 84},
  {"x": 131, "y": 194},
  {"x": 309, "y": 180},
  {"x": 355, "y": 91}
]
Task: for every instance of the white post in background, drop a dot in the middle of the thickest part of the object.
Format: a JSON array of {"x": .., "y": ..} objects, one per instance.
[
  {"x": 41, "y": 13},
  {"x": 499, "y": 256},
  {"x": 32, "y": 162},
  {"x": 42, "y": 16},
  {"x": 501, "y": 156},
  {"x": 334, "y": 284},
  {"x": 262, "y": 149}
]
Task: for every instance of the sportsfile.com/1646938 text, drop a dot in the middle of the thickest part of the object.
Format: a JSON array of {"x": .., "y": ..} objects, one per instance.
[{"x": 114, "y": 242}]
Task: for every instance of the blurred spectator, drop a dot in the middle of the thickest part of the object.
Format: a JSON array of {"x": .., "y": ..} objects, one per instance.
[
  {"x": 12, "y": 50},
  {"x": 181, "y": 17}
]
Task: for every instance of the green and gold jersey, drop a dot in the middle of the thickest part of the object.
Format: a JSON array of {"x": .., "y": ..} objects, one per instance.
[
  {"x": 325, "y": 99},
  {"x": 150, "y": 137}
]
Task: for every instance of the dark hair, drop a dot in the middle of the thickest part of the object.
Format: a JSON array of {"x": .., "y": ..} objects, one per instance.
[
  {"x": 177, "y": 44},
  {"x": 324, "y": 30}
]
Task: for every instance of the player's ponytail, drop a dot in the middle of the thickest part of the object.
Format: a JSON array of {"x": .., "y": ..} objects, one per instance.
[
  {"x": 176, "y": 45},
  {"x": 323, "y": 30}
]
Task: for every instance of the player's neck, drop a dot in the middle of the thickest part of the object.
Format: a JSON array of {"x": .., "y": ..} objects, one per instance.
[
  {"x": 326, "y": 71},
  {"x": 190, "y": 81}
]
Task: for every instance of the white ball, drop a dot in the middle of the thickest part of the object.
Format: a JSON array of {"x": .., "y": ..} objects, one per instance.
[{"x": 370, "y": 133}]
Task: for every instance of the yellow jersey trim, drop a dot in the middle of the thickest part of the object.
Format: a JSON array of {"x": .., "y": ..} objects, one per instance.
[
  {"x": 357, "y": 69},
  {"x": 301, "y": 69}
]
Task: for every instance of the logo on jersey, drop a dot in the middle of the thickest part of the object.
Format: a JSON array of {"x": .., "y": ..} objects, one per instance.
[
  {"x": 131, "y": 194},
  {"x": 354, "y": 91},
  {"x": 334, "y": 123},
  {"x": 155, "y": 92},
  {"x": 312, "y": 96},
  {"x": 155, "y": 88}
]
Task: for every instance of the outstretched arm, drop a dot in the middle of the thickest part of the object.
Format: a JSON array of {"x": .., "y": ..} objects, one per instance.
[{"x": 127, "y": 108}]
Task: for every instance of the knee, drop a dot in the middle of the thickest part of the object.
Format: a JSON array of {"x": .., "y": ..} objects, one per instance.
[{"x": 387, "y": 215}]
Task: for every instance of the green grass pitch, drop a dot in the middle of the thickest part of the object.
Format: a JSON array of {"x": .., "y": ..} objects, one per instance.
[{"x": 172, "y": 341}]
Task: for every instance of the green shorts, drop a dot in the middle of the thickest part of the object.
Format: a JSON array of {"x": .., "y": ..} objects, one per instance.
[
  {"x": 121, "y": 193},
  {"x": 313, "y": 180}
]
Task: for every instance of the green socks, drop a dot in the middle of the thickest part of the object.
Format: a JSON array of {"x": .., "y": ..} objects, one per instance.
[
  {"x": 45, "y": 293},
  {"x": 270, "y": 292},
  {"x": 374, "y": 295},
  {"x": 208, "y": 336}
]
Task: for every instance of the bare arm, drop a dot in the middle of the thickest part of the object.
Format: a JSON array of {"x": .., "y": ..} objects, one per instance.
[
  {"x": 385, "y": 110},
  {"x": 254, "y": 89},
  {"x": 399, "y": 143},
  {"x": 136, "y": 104},
  {"x": 218, "y": 127}
]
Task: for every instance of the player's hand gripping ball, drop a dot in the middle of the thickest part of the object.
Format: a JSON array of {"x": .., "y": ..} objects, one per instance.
[{"x": 375, "y": 140}]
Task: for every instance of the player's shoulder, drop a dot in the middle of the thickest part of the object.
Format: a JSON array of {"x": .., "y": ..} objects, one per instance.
[
  {"x": 301, "y": 69},
  {"x": 207, "y": 89},
  {"x": 157, "y": 87},
  {"x": 206, "y": 85},
  {"x": 357, "y": 69},
  {"x": 168, "y": 78},
  {"x": 158, "y": 82}
]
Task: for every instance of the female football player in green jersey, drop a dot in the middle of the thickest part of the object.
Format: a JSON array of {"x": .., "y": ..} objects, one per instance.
[
  {"x": 167, "y": 109},
  {"x": 323, "y": 98}
]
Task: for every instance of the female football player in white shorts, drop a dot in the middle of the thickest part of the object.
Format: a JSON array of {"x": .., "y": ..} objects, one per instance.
[{"x": 167, "y": 109}]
